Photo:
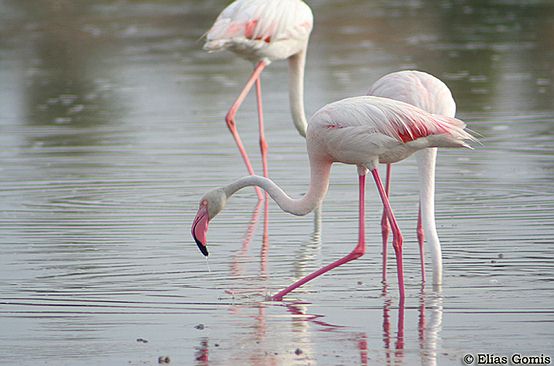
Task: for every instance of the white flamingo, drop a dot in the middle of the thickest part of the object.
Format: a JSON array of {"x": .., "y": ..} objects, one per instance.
[
  {"x": 432, "y": 95},
  {"x": 263, "y": 31},
  {"x": 363, "y": 131}
]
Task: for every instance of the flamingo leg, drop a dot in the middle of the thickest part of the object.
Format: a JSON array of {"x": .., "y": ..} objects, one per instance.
[
  {"x": 358, "y": 251},
  {"x": 421, "y": 240},
  {"x": 230, "y": 117},
  {"x": 396, "y": 234},
  {"x": 385, "y": 226},
  {"x": 263, "y": 143}
]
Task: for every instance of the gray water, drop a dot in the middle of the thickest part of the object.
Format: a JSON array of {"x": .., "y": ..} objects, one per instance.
[{"x": 111, "y": 129}]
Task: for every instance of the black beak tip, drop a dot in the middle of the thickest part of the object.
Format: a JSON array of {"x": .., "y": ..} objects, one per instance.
[{"x": 202, "y": 247}]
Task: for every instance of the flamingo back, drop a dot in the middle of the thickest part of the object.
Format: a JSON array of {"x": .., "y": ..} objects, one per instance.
[
  {"x": 250, "y": 25},
  {"x": 416, "y": 88}
]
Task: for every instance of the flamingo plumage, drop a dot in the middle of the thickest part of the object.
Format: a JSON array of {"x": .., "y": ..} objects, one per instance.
[
  {"x": 363, "y": 131},
  {"x": 263, "y": 31},
  {"x": 432, "y": 95}
]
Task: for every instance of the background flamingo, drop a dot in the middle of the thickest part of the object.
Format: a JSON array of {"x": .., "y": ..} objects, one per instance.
[
  {"x": 432, "y": 95},
  {"x": 263, "y": 31},
  {"x": 362, "y": 131}
]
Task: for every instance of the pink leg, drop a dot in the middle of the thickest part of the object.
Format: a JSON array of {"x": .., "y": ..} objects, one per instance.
[
  {"x": 263, "y": 143},
  {"x": 421, "y": 239},
  {"x": 396, "y": 235},
  {"x": 230, "y": 118},
  {"x": 385, "y": 226},
  {"x": 358, "y": 251}
]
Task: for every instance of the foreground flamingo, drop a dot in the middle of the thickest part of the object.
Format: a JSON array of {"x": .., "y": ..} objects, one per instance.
[
  {"x": 362, "y": 131},
  {"x": 432, "y": 95},
  {"x": 262, "y": 31}
]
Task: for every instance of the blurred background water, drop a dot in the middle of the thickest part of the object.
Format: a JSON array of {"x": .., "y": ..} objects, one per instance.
[{"x": 111, "y": 129}]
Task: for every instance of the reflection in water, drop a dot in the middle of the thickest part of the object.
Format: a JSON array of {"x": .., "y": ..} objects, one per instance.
[
  {"x": 238, "y": 259},
  {"x": 307, "y": 254},
  {"x": 429, "y": 327},
  {"x": 202, "y": 353},
  {"x": 387, "y": 333},
  {"x": 306, "y": 325}
]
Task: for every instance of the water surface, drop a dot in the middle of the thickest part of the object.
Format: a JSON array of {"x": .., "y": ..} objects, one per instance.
[{"x": 111, "y": 129}]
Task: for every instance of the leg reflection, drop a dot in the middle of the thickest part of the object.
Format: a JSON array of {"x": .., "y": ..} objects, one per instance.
[
  {"x": 429, "y": 328},
  {"x": 201, "y": 354},
  {"x": 387, "y": 336},
  {"x": 236, "y": 269}
]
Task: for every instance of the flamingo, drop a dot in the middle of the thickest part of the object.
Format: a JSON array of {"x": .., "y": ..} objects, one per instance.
[
  {"x": 362, "y": 131},
  {"x": 432, "y": 95},
  {"x": 262, "y": 31}
]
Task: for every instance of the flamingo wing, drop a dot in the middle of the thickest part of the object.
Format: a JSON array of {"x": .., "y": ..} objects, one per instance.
[
  {"x": 373, "y": 125},
  {"x": 260, "y": 20}
]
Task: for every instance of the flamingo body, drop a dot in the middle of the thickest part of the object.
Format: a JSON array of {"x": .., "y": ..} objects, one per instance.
[
  {"x": 262, "y": 29},
  {"x": 366, "y": 129},
  {"x": 361, "y": 131}
]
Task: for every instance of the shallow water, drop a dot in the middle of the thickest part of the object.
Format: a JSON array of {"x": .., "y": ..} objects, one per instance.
[{"x": 111, "y": 128}]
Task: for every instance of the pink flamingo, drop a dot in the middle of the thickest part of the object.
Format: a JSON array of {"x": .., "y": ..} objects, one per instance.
[
  {"x": 432, "y": 95},
  {"x": 262, "y": 31},
  {"x": 363, "y": 131}
]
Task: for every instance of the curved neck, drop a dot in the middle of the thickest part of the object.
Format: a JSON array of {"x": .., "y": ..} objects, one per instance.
[
  {"x": 319, "y": 182},
  {"x": 296, "y": 91}
]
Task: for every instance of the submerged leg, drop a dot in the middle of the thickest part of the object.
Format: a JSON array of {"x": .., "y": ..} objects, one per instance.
[
  {"x": 385, "y": 226},
  {"x": 230, "y": 118},
  {"x": 358, "y": 251},
  {"x": 396, "y": 235}
]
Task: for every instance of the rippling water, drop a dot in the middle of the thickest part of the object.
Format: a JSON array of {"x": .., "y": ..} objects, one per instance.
[{"x": 111, "y": 128}]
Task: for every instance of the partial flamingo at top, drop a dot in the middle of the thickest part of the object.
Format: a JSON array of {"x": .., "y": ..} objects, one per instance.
[
  {"x": 263, "y": 31},
  {"x": 257, "y": 29}
]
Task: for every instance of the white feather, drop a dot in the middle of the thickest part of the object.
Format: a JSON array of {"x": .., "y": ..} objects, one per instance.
[{"x": 254, "y": 29}]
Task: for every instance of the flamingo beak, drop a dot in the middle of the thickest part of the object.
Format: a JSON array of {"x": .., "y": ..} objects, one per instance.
[{"x": 200, "y": 229}]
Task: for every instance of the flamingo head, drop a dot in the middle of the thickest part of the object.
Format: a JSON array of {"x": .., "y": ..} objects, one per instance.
[{"x": 210, "y": 205}]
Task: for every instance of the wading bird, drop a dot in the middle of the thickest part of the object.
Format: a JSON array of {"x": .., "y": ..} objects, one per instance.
[
  {"x": 363, "y": 131},
  {"x": 263, "y": 31},
  {"x": 432, "y": 95}
]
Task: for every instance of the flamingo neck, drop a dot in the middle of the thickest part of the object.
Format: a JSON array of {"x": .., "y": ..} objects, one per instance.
[
  {"x": 426, "y": 165},
  {"x": 319, "y": 182},
  {"x": 296, "y": 90}
]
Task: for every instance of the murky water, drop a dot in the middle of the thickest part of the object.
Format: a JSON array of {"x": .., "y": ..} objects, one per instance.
[{"x": 111, "y": 128}]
